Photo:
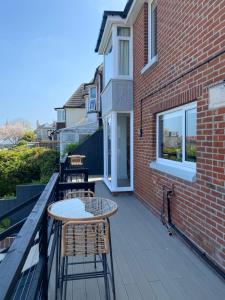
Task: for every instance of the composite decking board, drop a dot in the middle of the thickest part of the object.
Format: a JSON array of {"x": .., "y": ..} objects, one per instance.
[
  {"x": 160, "y": 291},
  {"x": 146, "y": 291},
  {"x": 148, "y": 263},
  {"x": 133, "y": 291},
  {"x": 92, "y": 287}
]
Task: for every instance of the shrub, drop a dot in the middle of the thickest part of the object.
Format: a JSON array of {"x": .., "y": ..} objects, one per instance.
[
  {"x": 21, "y": 165},
  {"x": 70, "y": 148},
  {"x": 4, "y": 224}
]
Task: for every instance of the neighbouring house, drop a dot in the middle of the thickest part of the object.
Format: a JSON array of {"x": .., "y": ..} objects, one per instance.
[
  {"x": 177, "y": 52},
  {"x": 92, "y": 96},
  {"x": 81, "y": 116},
  {"x": 45, "y": 131},
  {"x": 73, "y": 111}
]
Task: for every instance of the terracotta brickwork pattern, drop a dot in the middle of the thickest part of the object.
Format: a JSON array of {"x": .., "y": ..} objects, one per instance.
[{"x": 189, "y": 34}]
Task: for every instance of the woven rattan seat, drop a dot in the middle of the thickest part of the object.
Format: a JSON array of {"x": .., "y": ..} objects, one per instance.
[
  {"x": 79, "y": 193},
  {"x": 85, "y": 238}
]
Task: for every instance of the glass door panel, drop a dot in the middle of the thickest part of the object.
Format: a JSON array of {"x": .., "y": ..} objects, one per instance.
[
  {"x": 109, "y": 147},
  {"x": 123, "y": 150}
]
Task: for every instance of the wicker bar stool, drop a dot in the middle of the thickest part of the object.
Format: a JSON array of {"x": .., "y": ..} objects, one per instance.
[
  {"x": 86, "y": 238},
  {"x": 79, "y": 193}
]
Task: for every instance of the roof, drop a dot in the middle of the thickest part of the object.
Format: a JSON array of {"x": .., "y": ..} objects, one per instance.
[
  {"x": 76, "y": 100},
  {"x": 123, "y": 14},
  {"x": 99, "y": 70}
]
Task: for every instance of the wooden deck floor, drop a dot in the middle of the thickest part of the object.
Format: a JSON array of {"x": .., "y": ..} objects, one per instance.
[{"x": 149, "y": 264}]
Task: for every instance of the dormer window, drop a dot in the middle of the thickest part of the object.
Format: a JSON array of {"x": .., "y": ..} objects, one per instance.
[{"x": 92, "y": 99}]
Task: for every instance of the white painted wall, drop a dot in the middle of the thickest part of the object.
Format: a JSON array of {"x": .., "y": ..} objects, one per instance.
[
  {"x": 92, "y": 117},
  {"x": 74, "y": 116}
]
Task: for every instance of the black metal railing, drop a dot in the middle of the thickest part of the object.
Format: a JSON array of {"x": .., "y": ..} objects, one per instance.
[
  {"x": 21, "y": 212},
  {"x": 23, "y": 271},
  {"x": 27, "y": 267}
]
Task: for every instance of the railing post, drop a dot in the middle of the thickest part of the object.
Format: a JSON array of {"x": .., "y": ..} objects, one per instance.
[
  {"x": 61, "y": 171},
  {"x": 86, "y": 175},
  {"x": 44, "y": 255}
]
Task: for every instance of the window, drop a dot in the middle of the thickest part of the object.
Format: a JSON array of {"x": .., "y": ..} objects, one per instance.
[
  {"x": 123, "y": 34},
  {"x": 176, "y": 136},
  {"x": 61, "y": 116},
  {"x": 123, "y": 31},
  {"x": 108, "y": 61},
  {"x": 152, "y": 34},
  {"x": 123, "y": 57},
  {"x": 92, "y": 99},
  {"x": 150, "y": 52}
]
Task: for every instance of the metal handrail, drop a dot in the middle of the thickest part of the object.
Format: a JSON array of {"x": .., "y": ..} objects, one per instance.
[
  {"x": 13, "y": 263},
  {"x": 37, "y": 231}
]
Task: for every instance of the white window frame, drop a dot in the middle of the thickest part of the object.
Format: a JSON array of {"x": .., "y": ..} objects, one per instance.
[
  {"x": 91, "y": 100},
  {"x": 151, "y": 60},
  {"x": 112, "y": 185},
  {"x": 109, "y": 46},
  {"x": 123, "y": 38},
  {"x": 115, "y": 54},
  {"x": 61, "y": 116},
  {"x": 183, "y": 164}
]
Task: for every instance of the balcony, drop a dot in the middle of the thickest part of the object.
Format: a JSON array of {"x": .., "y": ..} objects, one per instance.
[{"x": 149, "y": 264}]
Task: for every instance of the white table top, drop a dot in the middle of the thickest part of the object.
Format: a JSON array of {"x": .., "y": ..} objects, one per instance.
[{"x": 75, "y": 209}]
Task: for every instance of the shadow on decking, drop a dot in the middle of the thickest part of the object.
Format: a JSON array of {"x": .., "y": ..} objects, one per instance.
[{"x": 149, "y": 264}]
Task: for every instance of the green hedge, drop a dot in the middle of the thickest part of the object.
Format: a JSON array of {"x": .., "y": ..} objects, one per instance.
[{"x": 21, "y": 165}]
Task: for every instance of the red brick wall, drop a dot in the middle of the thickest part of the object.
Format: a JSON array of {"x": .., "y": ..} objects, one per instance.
[{"x": 189, "y": 33}]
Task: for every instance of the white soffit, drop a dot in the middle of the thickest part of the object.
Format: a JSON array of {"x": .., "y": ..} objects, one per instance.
[{"x": 133, "y": 12}]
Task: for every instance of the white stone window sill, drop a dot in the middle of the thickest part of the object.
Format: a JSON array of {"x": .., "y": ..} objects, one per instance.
[
  {"x": 182, "y": 172},
  {"x": 149, "y": 64}
]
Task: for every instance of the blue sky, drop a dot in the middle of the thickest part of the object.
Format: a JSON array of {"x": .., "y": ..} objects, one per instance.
[{"x": 46, "y": 51}]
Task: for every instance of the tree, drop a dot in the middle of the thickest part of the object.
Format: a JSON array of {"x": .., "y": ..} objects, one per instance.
[
  {"x": 12, "y": 132},
  {"x": 29, "y": 136}
]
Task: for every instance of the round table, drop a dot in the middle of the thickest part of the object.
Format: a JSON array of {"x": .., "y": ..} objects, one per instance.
[{"x": 82, "y": 209}]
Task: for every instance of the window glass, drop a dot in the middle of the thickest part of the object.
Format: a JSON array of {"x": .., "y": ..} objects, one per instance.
[
  {"x": 153, "y": 29},
  {"x": 191, "y": 135},
  {"x": 109, "y": 143},
  {"x": 61, "y": 116},
  {"x": 92, "y": 105},
  {"x": 108, "y": 62},
  {"x": 170, "y": 136},
  {"x": 123, "y": 149},
  {"x": 123, "y": 57},
  {"x": 123, "y": 31},
  {"x": 93, "y": 92}
]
